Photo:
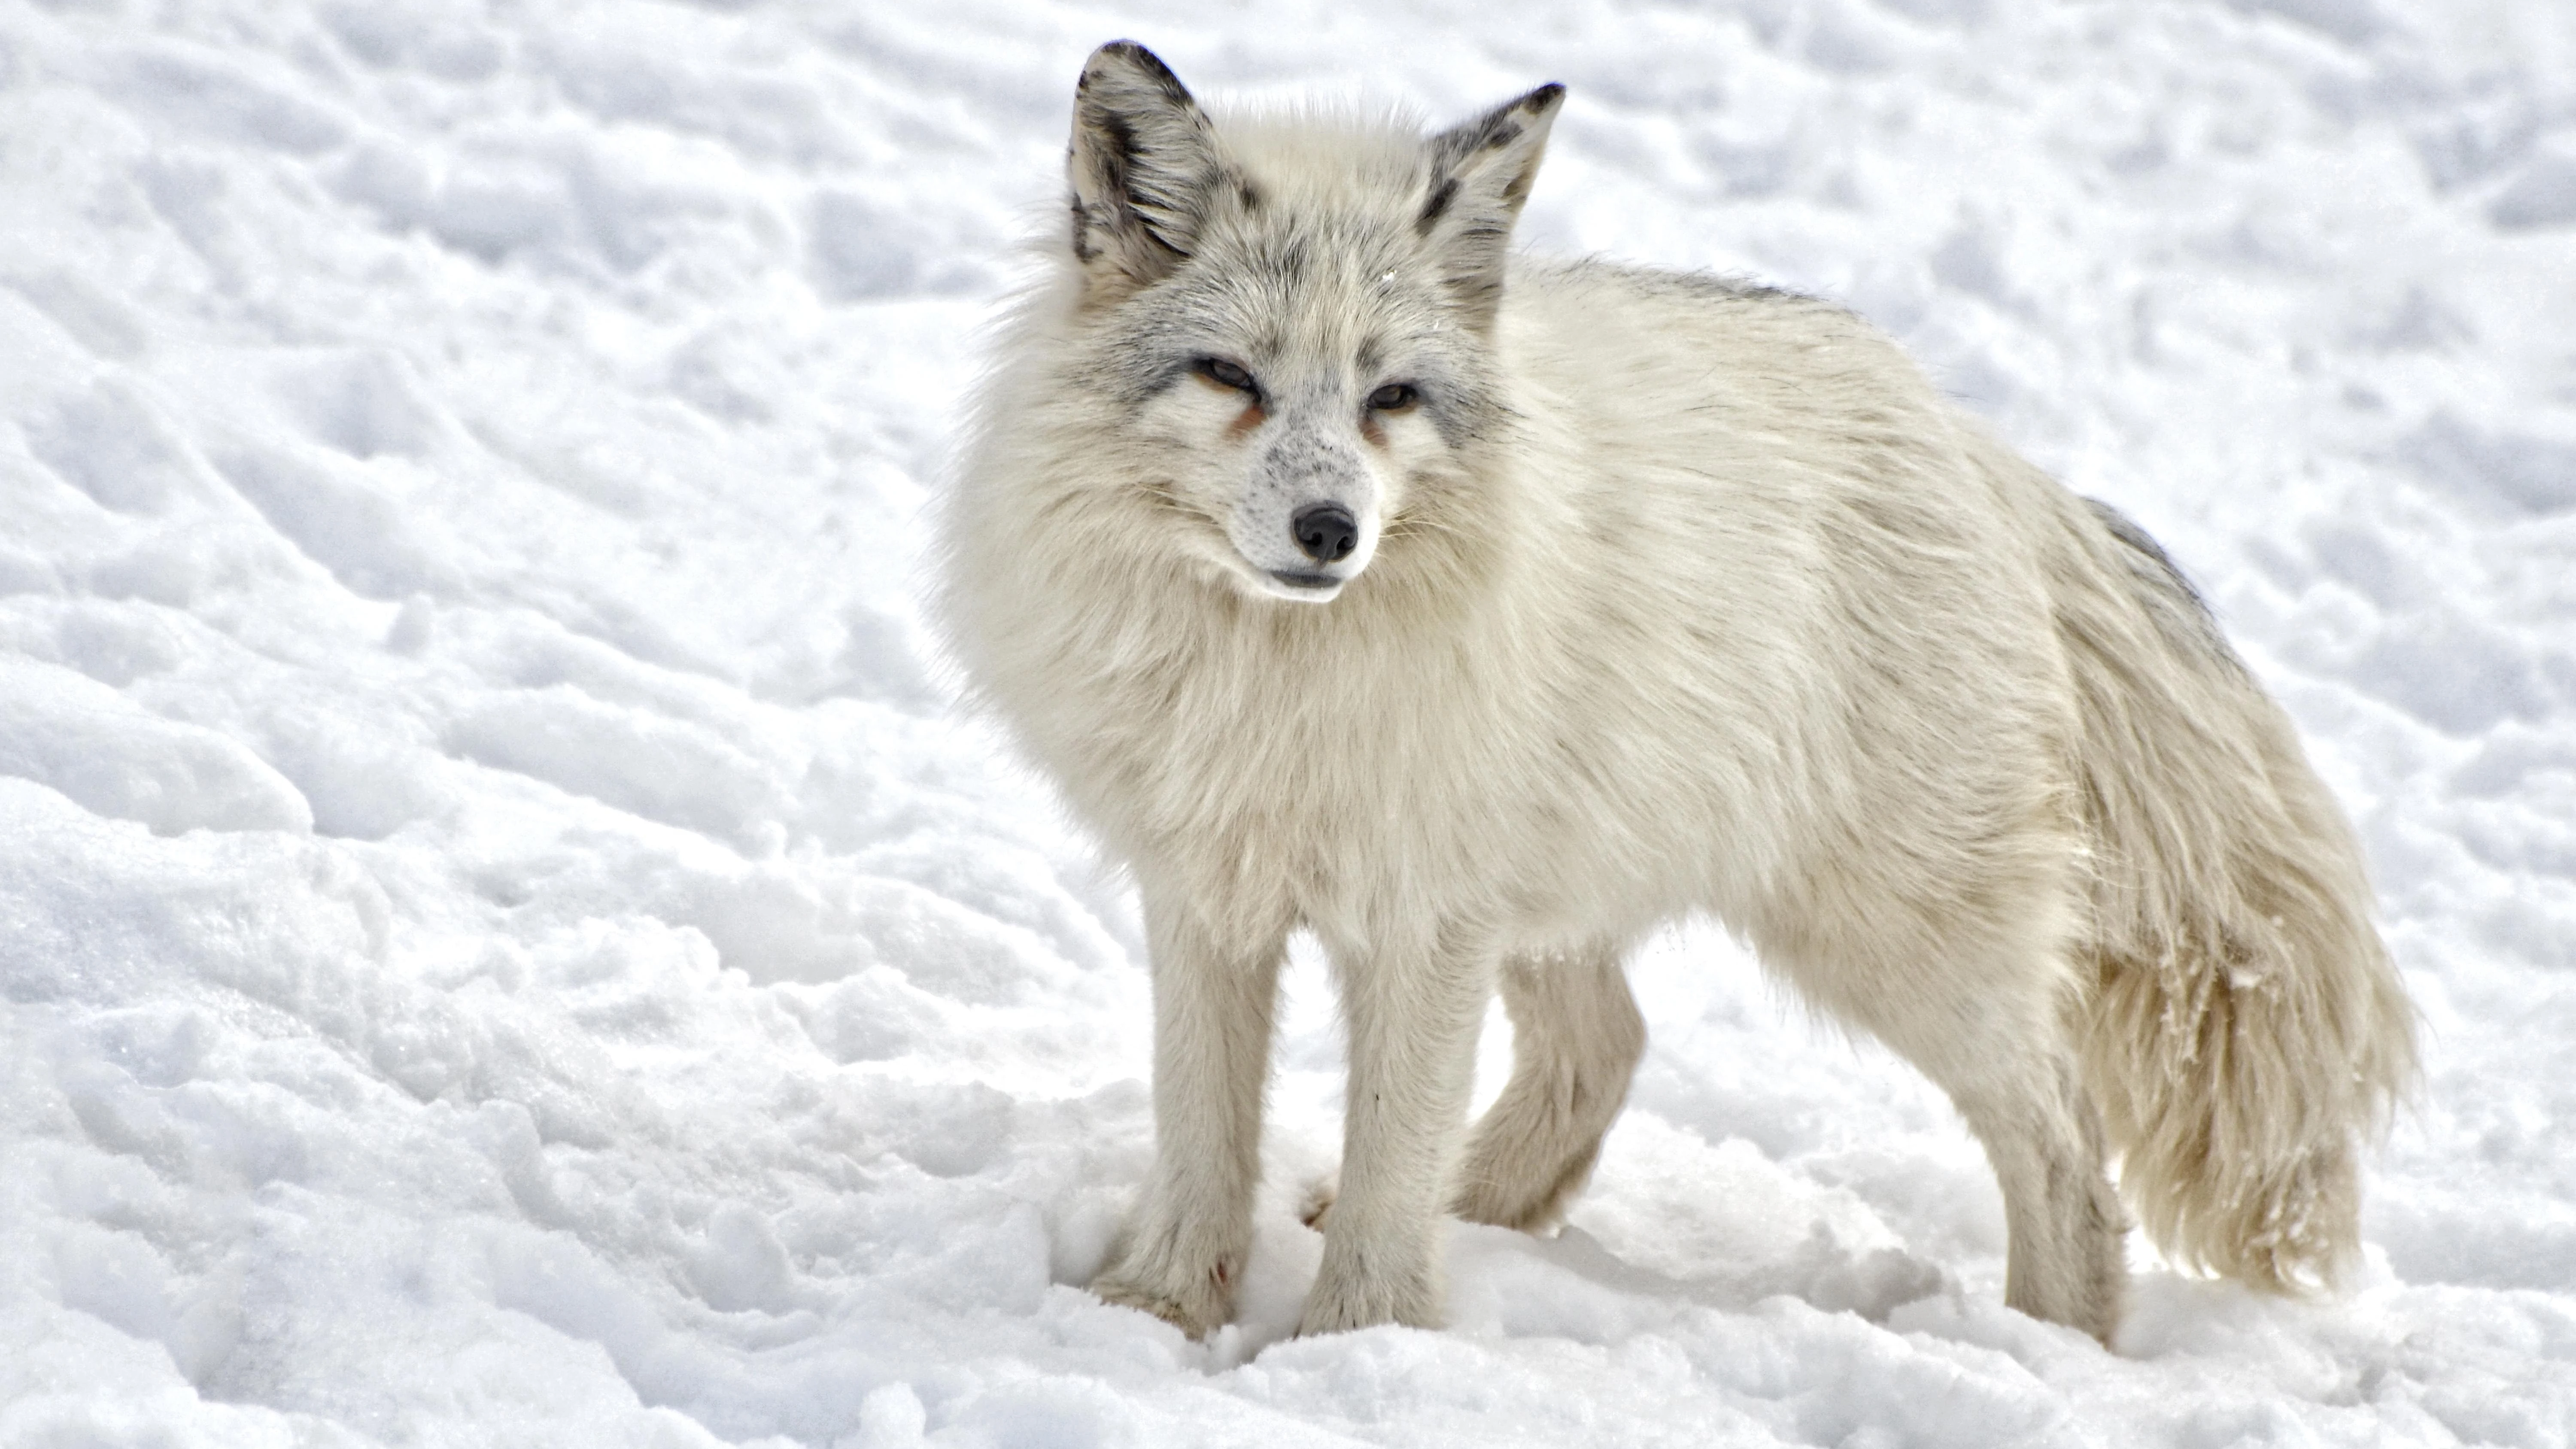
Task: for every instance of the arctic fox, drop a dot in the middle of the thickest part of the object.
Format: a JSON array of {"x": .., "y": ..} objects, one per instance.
[{"x": 1480, "y": 615}]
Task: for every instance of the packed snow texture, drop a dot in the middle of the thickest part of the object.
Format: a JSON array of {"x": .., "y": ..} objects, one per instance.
[{"x": 507, "y": 937}]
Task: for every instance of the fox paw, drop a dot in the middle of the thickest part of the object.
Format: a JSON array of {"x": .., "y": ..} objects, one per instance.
[
  {"x": 1197, "y": 1305},
  {"x": 1318, "y": 1203},
  {"x": 1342, "y": 1301}
]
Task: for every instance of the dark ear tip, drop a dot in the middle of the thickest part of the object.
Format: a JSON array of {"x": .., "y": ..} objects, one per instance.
[
  {"x": 1129, "y": 55},
  {"x": 1545, "y": 99}
]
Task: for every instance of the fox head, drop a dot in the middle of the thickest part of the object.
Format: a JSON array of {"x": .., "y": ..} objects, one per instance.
[{"x": 1294, "y": 313}]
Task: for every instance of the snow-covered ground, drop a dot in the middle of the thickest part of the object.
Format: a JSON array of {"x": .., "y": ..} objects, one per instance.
[{"x": 505, "y": 939}]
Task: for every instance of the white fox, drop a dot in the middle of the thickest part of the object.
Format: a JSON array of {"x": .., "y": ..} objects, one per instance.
[{"x": 1481, "y": 615}]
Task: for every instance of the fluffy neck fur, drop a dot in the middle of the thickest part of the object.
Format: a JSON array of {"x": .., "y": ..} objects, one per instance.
[{"x": 1138, "y": 672}]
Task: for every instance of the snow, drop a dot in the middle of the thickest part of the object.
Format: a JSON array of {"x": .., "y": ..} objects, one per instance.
[{"x": 506, "y": 938}]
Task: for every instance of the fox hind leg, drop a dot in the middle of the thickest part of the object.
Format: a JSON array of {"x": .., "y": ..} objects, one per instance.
[
  {"x": 1576, "y": 1040},
  {"x": 2000, "y": 1043},
  {"x": 2063, "y": 1221}
]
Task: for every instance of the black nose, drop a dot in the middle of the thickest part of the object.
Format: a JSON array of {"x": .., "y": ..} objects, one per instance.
[{"x": 1326, "y": 531}]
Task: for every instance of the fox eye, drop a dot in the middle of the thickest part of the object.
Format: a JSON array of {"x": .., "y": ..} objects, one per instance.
[
  {"x": 1395, "y": 397},
  {"x": 1225, "y": 374}
]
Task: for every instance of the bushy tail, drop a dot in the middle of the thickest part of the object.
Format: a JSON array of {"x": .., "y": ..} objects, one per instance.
[{"x": 2247, "y": 1030}]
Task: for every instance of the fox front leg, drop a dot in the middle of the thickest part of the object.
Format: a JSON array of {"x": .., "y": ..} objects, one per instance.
[
  {"x": 1413, "y": 1016},
  {"x": 1181, "y": 1254}
]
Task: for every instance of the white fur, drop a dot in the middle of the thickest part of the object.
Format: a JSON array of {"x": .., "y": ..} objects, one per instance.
[{"x": 1676, "y": 596}]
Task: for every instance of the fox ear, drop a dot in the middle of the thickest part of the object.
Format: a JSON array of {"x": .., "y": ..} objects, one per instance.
[
  {"x": 1141, "y": 165},
  {"x": 1479, "y": 175}
]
